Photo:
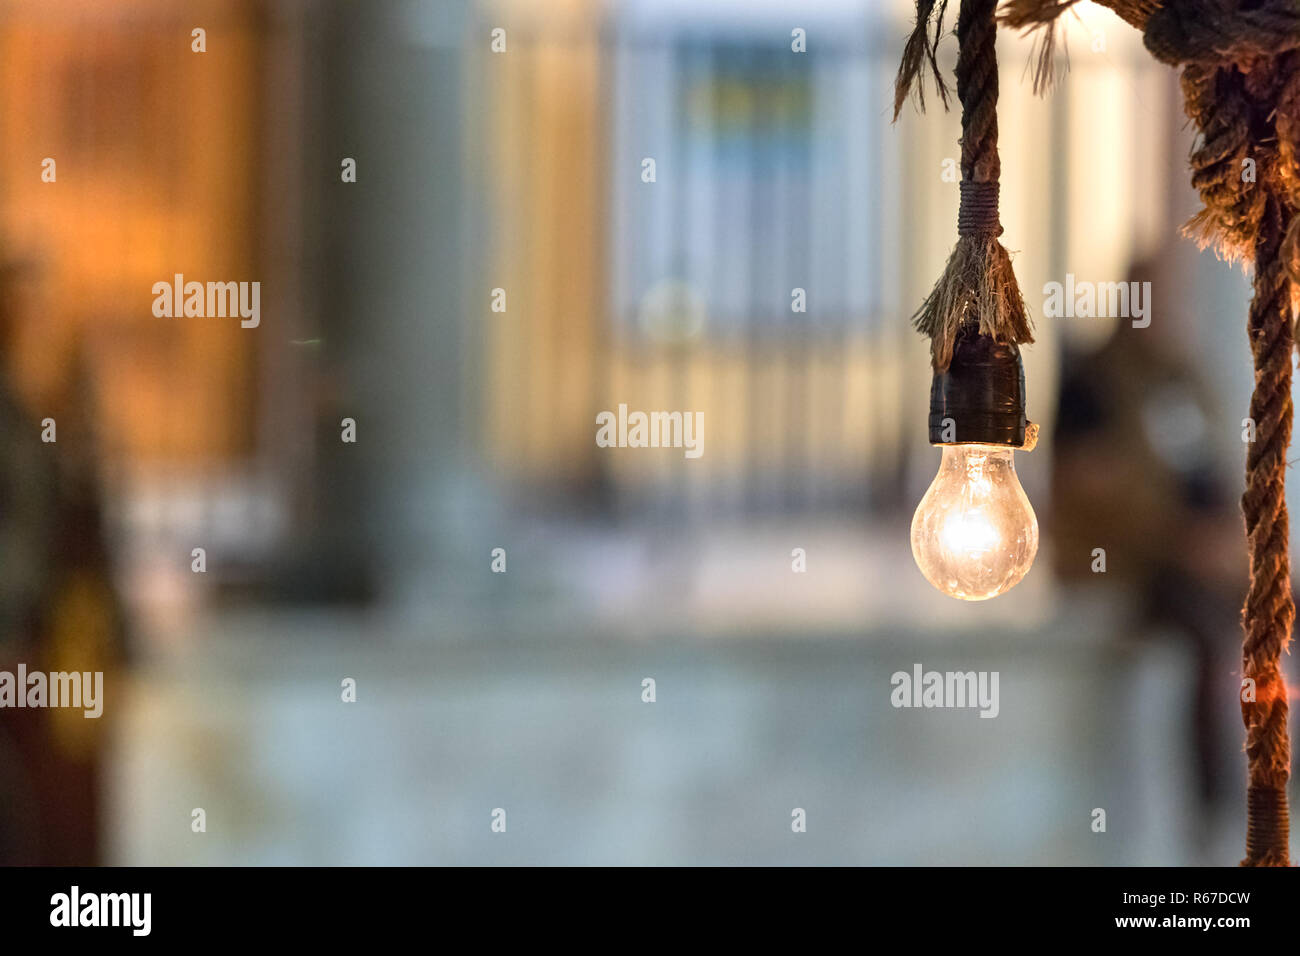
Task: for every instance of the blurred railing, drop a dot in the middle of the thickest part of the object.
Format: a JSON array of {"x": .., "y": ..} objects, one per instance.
[{"x": 688, "y": 221}]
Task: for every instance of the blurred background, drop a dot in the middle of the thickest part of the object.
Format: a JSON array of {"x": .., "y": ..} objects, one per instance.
[{"x": 519, "y": 169}]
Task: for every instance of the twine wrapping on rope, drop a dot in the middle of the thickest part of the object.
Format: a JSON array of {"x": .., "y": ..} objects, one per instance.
[
  {"x": 1241, "y": 86},
  {"x": 978, "y": 289},
  {"x": 977, "y": 215}
]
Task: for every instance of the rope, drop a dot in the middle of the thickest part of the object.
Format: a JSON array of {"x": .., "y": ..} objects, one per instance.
[
  {"x": 1211, "y": 31},
  {"x": 1269, "y": 610},
  {"x": 1236, "y": 105},
  {"x": 977, "y": 89}
]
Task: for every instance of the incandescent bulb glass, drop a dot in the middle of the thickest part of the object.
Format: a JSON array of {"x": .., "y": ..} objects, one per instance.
[{"x": 974, "y": 534}]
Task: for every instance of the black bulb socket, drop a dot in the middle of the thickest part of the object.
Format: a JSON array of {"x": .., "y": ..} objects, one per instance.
[{"x": 980, "y": 397}]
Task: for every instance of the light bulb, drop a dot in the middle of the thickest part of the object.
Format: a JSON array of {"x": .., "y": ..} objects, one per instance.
[{"x": 974, "y": 534}]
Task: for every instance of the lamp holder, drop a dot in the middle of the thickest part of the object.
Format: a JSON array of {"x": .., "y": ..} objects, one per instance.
[{"x": 980, "y": 397}]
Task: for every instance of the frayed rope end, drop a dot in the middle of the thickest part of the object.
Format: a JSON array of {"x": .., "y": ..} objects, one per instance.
[
  {"x": 921, "y": 48},
  {"x": 1233, "y": 242},
  {"x": 1029, "y": 16},
  {"x": 978, "y": 289}
]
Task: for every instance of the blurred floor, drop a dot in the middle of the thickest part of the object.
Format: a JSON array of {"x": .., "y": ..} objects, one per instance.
[{"x": 551, "y": 727}]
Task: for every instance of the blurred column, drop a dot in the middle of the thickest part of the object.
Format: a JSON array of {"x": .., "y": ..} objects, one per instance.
[{"x": 391, "y": 266}]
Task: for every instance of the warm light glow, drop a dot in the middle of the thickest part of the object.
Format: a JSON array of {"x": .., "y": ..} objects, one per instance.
[{"x": 974, "y": 534}]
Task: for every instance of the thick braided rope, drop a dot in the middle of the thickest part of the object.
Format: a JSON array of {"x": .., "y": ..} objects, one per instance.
[
  {"x": 1241, "y": 85},
  {"x": 1287, "y": 124},
  {"x": 977, "y": 89},
  {"x": 1217, "y": 101},
  {"x": 1269, "y": 610},
  {"x": 1236, "y": 107},
  {"x": 1221, "y": 31}
]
